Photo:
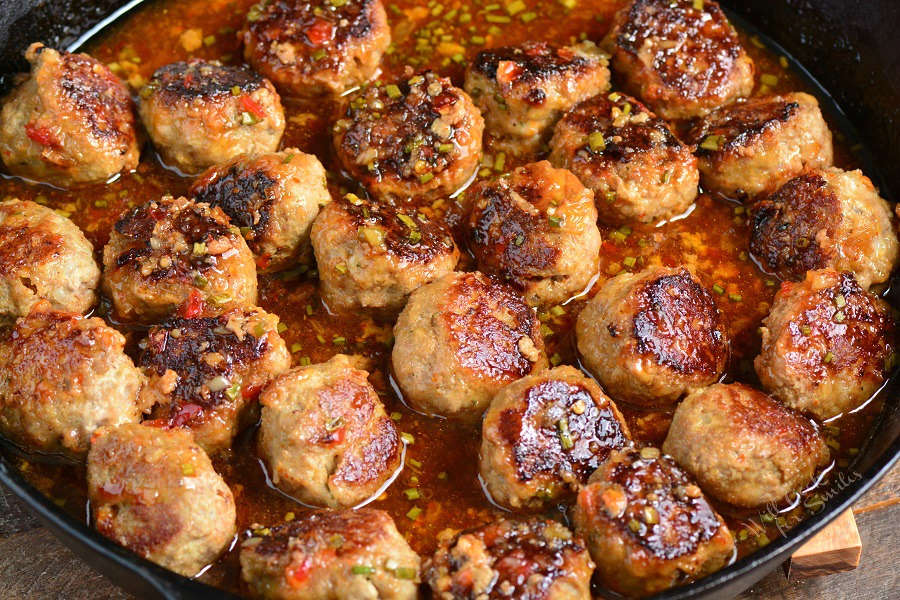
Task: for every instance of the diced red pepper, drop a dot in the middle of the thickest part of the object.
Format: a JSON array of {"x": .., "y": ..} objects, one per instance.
[
  {"x": 296, "y": 574},
  {"x": 263, "y": 260},
  {"x": 193, "y": 306},
  {"x": 507, "y": 71},
  {"x": 41, "y": 135},
  {"x": 253, "y": 107},
  {"x": 319, "y": 32}
]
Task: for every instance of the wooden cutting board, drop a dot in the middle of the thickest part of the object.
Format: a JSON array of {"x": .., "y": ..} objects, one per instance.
[{"x": 834, "y": 549}]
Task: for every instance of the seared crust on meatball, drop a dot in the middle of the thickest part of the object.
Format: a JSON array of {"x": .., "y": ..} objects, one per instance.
[
  {"x": 651, "y": 337},
  {"x": 43, "y": 257},
  {"x": 522, "y": 91},
  {"x": 172, "y": 253},
  {"x": 62, "y": 376},
  {"x": 71, "y": 121},
  {"x": 419, "y": 138},
  {"x": 325, "y": 435},
  {"x": 544, "y": 435},
  {"x": 629, "y": 157},
  {"x": 535, "y": 228},
  {"x": 826, "y": 218},
  {"x": 535, "y": 559},
  {"x": 827, "y": 344},
  {"x": 681, "y": 57},
  {"x": 330, "y": 555},
  {"x": 318, "y": 47},
  {"x": 273, "y": 198},
  {"x": 461, "y": 339},
  {"x": 756, "y": 146},
  {"x": 201, "y": 113},
  {"x": 648, "y": 526},
  {"x": 156, "y": 493}
]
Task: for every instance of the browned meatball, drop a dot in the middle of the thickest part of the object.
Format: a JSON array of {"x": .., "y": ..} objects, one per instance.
[
  {"x": 522, "y": 91},
  {"x": 742, "y": 446},
  {"x": 372, "y": 255},
  {"x": 827, "y": 344},
  {"x": 535, "y": 228},
  {"x": 529, "y": 560},
  {"x": 753, "y": 147},
  {"x": 318, "y": 47},
  {"x": 683, "y": 58},
  {"x": 419, "y": 138},
  {"x": 648, "y": 526},
  {"x": 273, "y": 198},
  {"x": 156, "y": 493},
  {"x": 636, "y": 167},
  {"x": 827, "y": 218},
  {"x": 200, "y": 113},
  {"x": 62, "y": 376},
  {"x": 173, "y": 253},
  {"x": 325, "y": 435},
  {"x": 71, "y": 121},
  {"x": 331, "y": 555},
  {"x": 653, "y": 336},
  {"x": 205, "y": 373},
  {"x": 543, "y": 436},
  {"x": 461, "y": 339},
  {"x": 43, "y": 257}
]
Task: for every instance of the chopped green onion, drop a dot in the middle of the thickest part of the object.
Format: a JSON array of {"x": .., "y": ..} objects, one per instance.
[
  {"x": 392, "y": 91},
  {"x": 407, "y": 438},
  {"x": 698, "y": 4},
  {"x": 565, "y": 437},
  {"x": 769, "y": 79},
  {"x": 362, "y": 570},
  {"x": 426, "y": 177},
  {"x": 596, "y": 142},
  {"x": 405, "y": 573},
  {"x": 412, "y": 494},
  {"x": 413, "y": 513},
  {"x": 829, "y": 356},
  {"x": 629, "y": 261},
  {"x": 735, "y": 297},
  {"x": 718, "y": 289},
  {"x": 711, "y": 142}
]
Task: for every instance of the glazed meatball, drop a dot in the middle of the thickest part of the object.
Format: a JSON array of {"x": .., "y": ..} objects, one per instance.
[
  {"x": 461, "y": 339},
  {"x": 71, "y": 121},
  {"x": 648, "y": 526},
  {"x": 827, "y": 218},
  {"x": 205, "y": 373},
  {"x": 653, "y": 336},
  {"x": 420, "y": 138},
  {"x": 155, "y": 492},
  {"x": 683, "y": 58},
  {"x": 544, "y": 435},
  {"x": 754, "y": 147},
  {"x": 62, "y": 376},
  {"x": 273, "y": 198},
  {"x": 535, "y": 228},
  {"x": 827, "y": 344},
  {"x": 319, "y": 47},
  {"x": 175, "y": 253},
  {"x": 331, "y": 555},
  {"x": 200, "y": 113},
  {"x": 742, "y": 446},
  {"x": 522, "y": 91},
  {"x": 530, "y": 559},
  {"x": 325, "y": 435},
  {"x": 43, "y": 257},
  {"x": 636, "y": 167}
]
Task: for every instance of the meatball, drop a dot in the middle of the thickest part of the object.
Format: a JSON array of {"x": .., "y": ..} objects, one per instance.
[
  {"x": 535, "y": 558},
  {"x": 200, "y": 113},
  {"x": 372, "y": 255},
  {"x": 682, "y": 57},
  {"x": 653, "y": 336},
  {"x": 535, "y": 228},
  {"x": 62, "y": 376},
  {"x": 636, "y": 167},
  {"x": 205, "y": 373},
  {"x": 325, "y": 435},
  {"x": 827, "y": 344},
  {"x": 331, "y": 555},
  {"x": 648, "y": 526},
  {"x": 522, "y": 91},
  {"x": 754, "y": 147},
  {"x": 826, "y": 218},
  {"x": 315, "y": 48},
  {"x": 43, "y": 257},
  {"x": 175, "y": 253},
  {"x": 461, "y": 339},
  {"x": 543, "y": 436},
  {"x": 71, "y": 121},
  {"x": 273, "y": 198},
  {"x": 419, "y": 138},
  {"x": 156, "y": 493}
]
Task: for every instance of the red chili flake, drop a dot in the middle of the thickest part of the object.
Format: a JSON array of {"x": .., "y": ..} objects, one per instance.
[
  {"x": 250, "y": 391},
  {"x": 193, "y": 306},
  {"x": 297, "y": 574},
  {"x": 319, "y": 32},
  {"x": 263, "y": 260},
  {"x": 507, "y": 71},
  {"x": 185, "y": 414},
  {"x": 41, "y": 135},
  {"x": 253, "y": 107}
]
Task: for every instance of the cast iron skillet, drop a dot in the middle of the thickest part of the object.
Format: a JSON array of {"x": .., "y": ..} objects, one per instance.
[{"x": 847, "y": 45}]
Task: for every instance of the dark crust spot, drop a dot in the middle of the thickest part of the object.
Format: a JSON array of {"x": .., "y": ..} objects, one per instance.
[
  {"x": 154, "y": 525},
  {"x": 24, "y": 246},
  {"x": 740, "y": 124},
  {"x": 54, "y": 343},
  {"x": 313, "y": 532},
  {"x": 535, "y": 61},
  {"x": 184, "y": 81}
]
